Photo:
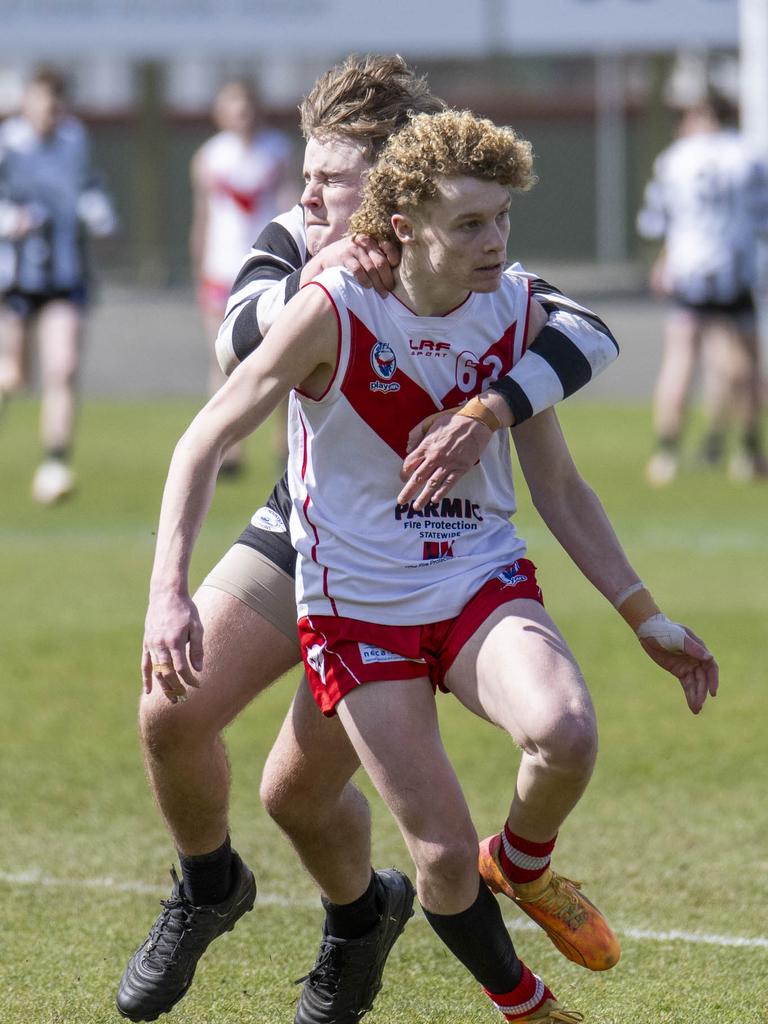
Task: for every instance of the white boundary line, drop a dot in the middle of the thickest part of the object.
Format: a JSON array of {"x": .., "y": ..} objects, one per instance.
[{"x": 274, "y": 899}]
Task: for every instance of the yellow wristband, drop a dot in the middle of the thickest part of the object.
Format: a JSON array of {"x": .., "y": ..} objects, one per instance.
[
  {"x": 638, "y": 608},
  {"x": 476, "y": 410}
]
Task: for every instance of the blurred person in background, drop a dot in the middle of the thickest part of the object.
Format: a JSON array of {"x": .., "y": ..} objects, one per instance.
[
  {"x": 708, "y": 202},
  {"x": 246, "y": 606},
  {"x": 241, "y": 178},
  {"x": 50, "y": 200}
]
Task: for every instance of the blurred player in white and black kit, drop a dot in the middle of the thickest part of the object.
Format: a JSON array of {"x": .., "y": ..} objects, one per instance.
[
  {"x": 50, "y": 201},
  {"x": 241, "y": 179},
  {"x": 708, "y": 202}
]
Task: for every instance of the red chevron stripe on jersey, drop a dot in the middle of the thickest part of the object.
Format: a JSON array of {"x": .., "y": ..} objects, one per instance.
[
  {"x": 376, "y": 411},
  {"x": 495, "y": 363},
  {"x": 373, "y": 406},
  {"x": 246, "y": 201}
]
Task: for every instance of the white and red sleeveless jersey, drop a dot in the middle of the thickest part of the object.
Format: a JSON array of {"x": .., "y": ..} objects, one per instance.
[
  {"x": 361, "y": 554},
  {"x": 243, "y": 185}
]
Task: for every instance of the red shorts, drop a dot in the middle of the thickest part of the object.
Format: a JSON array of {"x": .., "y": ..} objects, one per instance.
[
  {"x": 213, "y": 296},
  {"x": 340, "y": 654}
]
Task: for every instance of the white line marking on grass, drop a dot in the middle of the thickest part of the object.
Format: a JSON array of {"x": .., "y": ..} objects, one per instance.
[
  {"x": 701, "y": 937},
  {"x": 276, "y": 900},
  {"x": 648, "y": 935},
  {"x": 144, "y": 888}
]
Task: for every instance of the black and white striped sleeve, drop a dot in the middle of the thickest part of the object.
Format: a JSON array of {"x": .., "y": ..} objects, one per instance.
[
  {"x": 269, "y": 277},
  {"x": 571, "y": 349}
]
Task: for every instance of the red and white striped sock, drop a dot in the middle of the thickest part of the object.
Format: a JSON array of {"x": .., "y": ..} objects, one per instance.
[
  {"x": 528, "y": 996},
  {"x": 523, "y": 860}
]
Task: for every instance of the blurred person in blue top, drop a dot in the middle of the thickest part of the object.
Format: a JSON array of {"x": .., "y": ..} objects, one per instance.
[
  {"x": 707, "y": 201},
  {"x": 50, "y": 201}
]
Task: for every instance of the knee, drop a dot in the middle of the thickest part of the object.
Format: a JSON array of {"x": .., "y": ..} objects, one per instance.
[
  {"x": 60, "y": 377},
  {"x": 570, "y": 744},
  {"x": 447, "y": 862},
  {"x": 288, "y": 796},
  {"x": 167, "y": 730},
  {"x": 278, "y": 798},
  {"x": 303, "y": 805}
]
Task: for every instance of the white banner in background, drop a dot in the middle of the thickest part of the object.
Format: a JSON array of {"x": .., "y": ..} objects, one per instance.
[
  {"x": 169, "y": 28},
  {"x": 172, "y": 28},
  {"x": 628, "y": 26}
]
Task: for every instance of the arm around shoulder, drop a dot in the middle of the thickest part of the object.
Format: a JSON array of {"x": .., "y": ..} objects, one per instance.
[
  {"x": 565, "y": 350},
  {"x": 301, "y": 351}
]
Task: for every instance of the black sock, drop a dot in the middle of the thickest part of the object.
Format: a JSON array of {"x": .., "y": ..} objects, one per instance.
[
  {"x": 667, "y": 443},
  {"x": 478, "y": 938},
  {"x": 60, "y": 454},
  {"x": 208, "y": 878},
  {"x": 752, "y": 442},
  {"x": 352, "y": 920},
  {"x": 713, "y": 446}
]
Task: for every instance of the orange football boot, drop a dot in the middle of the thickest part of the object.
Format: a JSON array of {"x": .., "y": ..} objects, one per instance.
[
  {"x": 556, "y": 904},
  {"x": 552, "y": 1013}
]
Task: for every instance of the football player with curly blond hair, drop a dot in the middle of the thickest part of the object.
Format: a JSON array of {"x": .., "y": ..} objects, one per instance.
[{"x": 395, "y": 599}]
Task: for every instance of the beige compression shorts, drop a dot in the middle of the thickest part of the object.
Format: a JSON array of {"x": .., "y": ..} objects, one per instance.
[{"x": 256, "y": 581}]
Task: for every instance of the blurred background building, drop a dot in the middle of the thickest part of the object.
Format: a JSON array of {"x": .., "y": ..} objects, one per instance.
[{"x": 591, "y": 82}]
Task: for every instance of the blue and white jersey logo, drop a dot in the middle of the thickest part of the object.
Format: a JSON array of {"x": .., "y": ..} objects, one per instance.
[
  {"x": 512, "y": 576},
  {"x": 383, "y": 360}
]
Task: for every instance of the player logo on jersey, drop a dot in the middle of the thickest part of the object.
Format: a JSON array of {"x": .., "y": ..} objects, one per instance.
[
  {"x": 512, "y": 576},
  {"x": 383, "y": 360},
  {"x": 384, "y": 363}
]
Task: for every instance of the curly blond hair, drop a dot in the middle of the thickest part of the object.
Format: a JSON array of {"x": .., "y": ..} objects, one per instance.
[
  {"x": 366, "y": 99},
  {"x": 449, "y": 144}
]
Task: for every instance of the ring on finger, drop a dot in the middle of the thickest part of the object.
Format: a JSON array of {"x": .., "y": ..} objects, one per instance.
[{"x": 162, "y": 668}]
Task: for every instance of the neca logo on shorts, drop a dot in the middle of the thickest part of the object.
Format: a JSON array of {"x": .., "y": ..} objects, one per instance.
[{"x": 267, "y": 519}]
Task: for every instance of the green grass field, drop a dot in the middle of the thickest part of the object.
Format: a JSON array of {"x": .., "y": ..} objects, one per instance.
[{"x": 671, "y": 838}]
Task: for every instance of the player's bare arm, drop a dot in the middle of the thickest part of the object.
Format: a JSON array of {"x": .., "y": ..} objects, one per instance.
[
  {"x": 445, "y": 445},
  {"x": 575, "y": 516},
  {"x": 302, "y": 352},
  {"x": 199, "y": 224}
]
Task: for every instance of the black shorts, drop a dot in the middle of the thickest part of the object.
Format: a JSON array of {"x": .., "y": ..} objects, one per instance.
[
  {"x": 28, "y": 304},
  {"x": 743, "y": 304},
  {"x": 267, "y": 531}
]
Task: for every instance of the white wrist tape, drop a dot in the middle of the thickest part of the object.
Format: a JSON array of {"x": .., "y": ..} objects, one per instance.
[
  {"x": 668, "y": 634},
  {"x": 627, "y": 592}
]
